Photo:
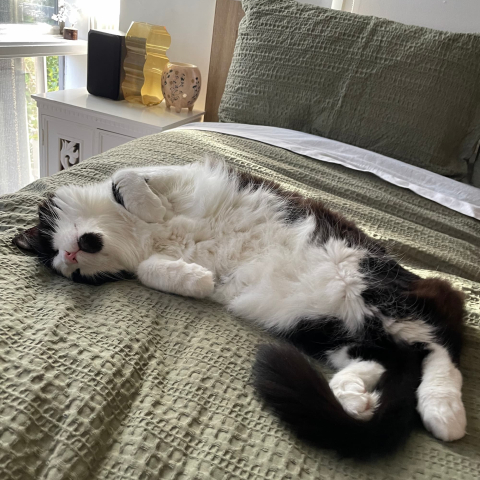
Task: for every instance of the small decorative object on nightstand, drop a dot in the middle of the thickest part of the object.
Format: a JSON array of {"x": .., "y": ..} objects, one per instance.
[
  {"x": 181, "y": 83},
  {"x": 70, "y": 33},
  {"x": 67, "y": 11},
  {"x": 106, "y": 52},
  {"x": 60, "y": 17},
  {"x": 75, "y": 125},
  {"x": 146, "y": 57}
]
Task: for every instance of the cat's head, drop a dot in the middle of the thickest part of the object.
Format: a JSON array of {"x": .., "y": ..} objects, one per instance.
[{"x": 82, "y": 234}]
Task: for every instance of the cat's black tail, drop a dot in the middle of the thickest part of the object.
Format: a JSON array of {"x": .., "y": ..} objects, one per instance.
[{"x": 301, "y": 397}]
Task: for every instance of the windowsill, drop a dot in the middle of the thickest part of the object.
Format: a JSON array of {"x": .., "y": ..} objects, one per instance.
[{"x": 18, "y": 44}]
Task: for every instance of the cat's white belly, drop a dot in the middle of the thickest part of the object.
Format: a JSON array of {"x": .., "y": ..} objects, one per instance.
[{"x": 279, "y": 289}]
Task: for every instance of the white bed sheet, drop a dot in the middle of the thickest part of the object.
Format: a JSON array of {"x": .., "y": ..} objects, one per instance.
[{"x": 445, "y": 191}]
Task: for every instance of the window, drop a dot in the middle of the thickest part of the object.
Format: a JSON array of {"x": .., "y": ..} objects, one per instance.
[
  {"x": 32, "y": 61},
  {"x": 28, "y": 12}
]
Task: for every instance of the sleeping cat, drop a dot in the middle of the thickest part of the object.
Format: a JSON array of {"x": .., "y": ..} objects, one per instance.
[{"x": 293, "y": 267}]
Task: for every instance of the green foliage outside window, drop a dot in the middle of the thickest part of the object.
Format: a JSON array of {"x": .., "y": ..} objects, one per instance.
[
  {"x": 31, "y": 88},
  {"x": 52, "y": 74}
]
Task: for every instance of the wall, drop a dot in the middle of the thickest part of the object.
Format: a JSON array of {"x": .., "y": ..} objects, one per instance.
[
  {"x": 452, "y": 15},
  {"x": 75, "y": 71},
  {"x": 76, "y": 65}
]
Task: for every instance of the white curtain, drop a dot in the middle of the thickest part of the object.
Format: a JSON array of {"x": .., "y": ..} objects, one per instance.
[{"x": 14, "y": 147}]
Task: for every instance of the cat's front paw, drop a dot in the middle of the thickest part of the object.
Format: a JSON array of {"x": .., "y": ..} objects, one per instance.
[
  {"x": 124, "y": 184},
  {"x": 131, "y": 190},
  {"x": 199, "y": 282}
]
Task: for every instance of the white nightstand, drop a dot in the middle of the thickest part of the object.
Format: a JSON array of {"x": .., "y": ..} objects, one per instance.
[{"x": 75, "y": 125}]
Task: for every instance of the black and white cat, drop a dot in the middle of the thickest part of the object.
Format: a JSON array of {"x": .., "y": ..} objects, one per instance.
[{"x": 293, "y": 267}]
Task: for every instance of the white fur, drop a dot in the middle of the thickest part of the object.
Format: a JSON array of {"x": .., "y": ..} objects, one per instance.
[
  {"x": 440, "y": 396},
  {"x": 176, "y": 276},
  {"x": 339, "y": 358},
  {"x": 410, "y": 331},
  {"x": 288, "y": 284},
  {"x": 354, "y": 385}
]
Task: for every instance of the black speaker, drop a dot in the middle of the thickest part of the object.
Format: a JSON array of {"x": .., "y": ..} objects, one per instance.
[{"x": 106, "y": 52}]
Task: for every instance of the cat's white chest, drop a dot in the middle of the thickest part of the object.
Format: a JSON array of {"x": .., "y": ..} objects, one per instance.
[{"x": 190, "y": 240}]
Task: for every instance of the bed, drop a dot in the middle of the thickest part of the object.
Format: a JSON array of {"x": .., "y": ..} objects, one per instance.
[{"x": 123, "y": 382}]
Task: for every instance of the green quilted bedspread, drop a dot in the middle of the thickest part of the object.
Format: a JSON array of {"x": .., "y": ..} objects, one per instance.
[{"x": 124, "y": 382}]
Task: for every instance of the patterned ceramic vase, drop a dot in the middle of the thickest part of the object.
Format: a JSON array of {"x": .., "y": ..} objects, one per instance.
[{"x": 181, "y": 84}]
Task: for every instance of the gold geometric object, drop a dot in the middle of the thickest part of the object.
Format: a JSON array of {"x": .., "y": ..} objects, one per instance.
[{"x": 144, "y": 62}]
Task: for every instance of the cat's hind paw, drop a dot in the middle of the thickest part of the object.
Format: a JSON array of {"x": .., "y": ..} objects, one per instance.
[
  {"x": 444, "y": 416},
  {"x": 353, "y": 396}
]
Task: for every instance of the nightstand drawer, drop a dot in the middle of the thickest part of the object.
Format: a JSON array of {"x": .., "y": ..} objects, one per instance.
[
  {"x": 106, "y": 140},
  {"x": 64, "y": 144}
]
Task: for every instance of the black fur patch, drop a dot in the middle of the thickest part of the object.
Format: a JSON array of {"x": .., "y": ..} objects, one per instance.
[
  {"x": 440, "y": 305},
  {"x": 117, "y": 196},
  {"x": 400, "y": 294},
  {"x": 316, "y": 337},
  {"x": 101, "y": 278},
  {"x": 90, "y": 242},
  {"x": 388, "y": 284},
  {"x": 39, "y": 238}
]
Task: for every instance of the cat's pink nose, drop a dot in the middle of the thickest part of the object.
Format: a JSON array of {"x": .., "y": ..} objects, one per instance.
[{"x": 71, "y": 256}]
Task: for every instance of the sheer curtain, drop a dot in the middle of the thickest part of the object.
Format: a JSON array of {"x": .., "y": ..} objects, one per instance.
[{"x": 14, "y": 147}]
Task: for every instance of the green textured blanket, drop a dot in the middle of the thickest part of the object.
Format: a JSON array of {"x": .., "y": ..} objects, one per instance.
[{"x": 123, "y": 382}]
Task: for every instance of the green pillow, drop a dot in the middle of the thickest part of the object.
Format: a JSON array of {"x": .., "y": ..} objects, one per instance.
[{"x": 410, "y": 93}]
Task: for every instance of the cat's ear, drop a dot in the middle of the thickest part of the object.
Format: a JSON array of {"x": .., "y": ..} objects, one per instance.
[{"x": 27, "y": 240}]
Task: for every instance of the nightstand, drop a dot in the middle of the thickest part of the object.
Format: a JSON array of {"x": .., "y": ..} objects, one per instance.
[{"x": 75, "y": 125}]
